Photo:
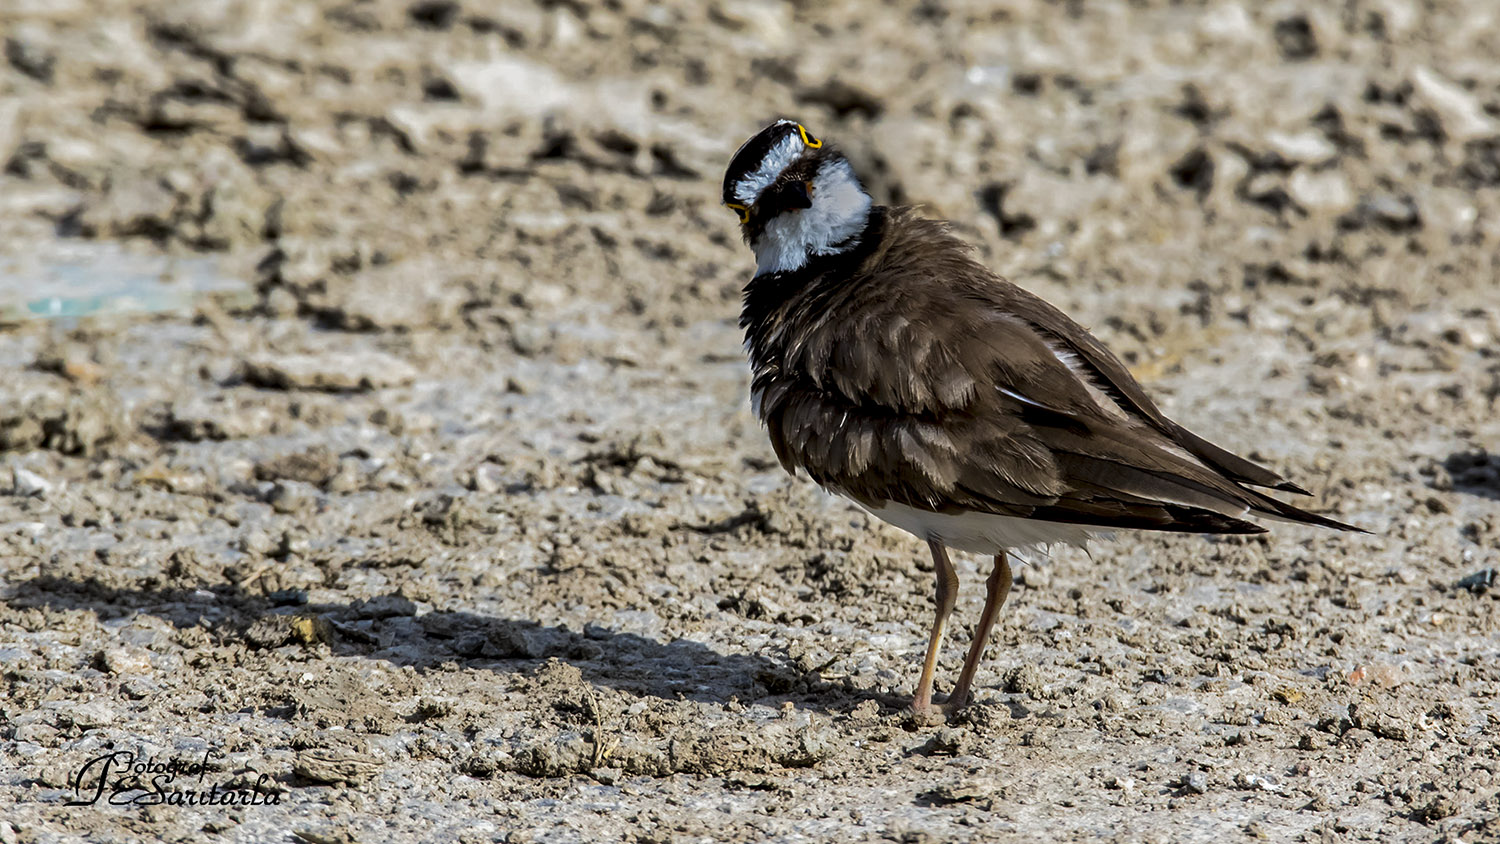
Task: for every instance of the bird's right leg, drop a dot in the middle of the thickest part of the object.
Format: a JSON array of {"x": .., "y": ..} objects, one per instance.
[{"x": 946, "y": 597}]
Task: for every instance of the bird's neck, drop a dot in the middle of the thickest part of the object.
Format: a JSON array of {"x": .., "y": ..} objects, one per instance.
[
  {"x": 840, "y": 211},
  {"x": 771, "y": 296}
]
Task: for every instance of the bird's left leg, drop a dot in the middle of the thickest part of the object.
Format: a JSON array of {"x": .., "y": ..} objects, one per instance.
[{"x": 996, "y": 590}]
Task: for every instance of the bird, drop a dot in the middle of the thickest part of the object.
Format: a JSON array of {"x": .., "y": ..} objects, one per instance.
[{"x": 893, "y": 368}]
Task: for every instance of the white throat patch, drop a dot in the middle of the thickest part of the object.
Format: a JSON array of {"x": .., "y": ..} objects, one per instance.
[{"x": 840, "y": 210}]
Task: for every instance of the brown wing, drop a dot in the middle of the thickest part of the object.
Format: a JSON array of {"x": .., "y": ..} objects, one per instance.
[
  {"x": 1110, "y": 374},
  {"x": 924, "y": 384}
]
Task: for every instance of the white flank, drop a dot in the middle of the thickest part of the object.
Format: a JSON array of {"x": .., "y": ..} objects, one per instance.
[
  {"x": 982, "y": 533},
  {"x": 840, "y": 209},
  {"x": 786, "y": 150}
]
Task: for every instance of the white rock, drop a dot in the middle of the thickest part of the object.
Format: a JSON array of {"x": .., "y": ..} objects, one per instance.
[
  {"x": 126, "y": 661},
  {"x": 1324, "y": 191},
  {"x": 1303, "y": 147},
  {"x": 1228, "y": 22},
  {"x": 1461, "y": 115},
  {"x": 488, "y": 477},
  {"x": 1399, "y": 16},
  {"x": 29, "y": 484}
]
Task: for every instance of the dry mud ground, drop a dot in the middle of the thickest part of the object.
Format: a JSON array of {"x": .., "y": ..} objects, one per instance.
[{"x": 455, "y": 525}]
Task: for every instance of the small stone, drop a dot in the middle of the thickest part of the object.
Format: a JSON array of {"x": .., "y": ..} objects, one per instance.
[
  {"x": 1461, "y": 114},
  {"x": 293, "y": 541},
  {"x": 1257, "y": 782},
  {"x": 1392, "y": 212},
  {"x": 334, "y": 765},
  {"x": 28, "y": 484},
  {"x": 121, "y": 661},
  {"x": 1295, "y": 38},
  {"x": 1440, "y": 808},
  {"x": 1386, "y": 675},
  {"x": 510, "y": 641},
  {"x": 311, "y": 630},
  {"x": 1025, "y": 679},
  {"x": 1303, "y": 147},
  {"x": 384, "y": 606},
  {"x": 1196, "y": 782},
  {"x": 291, "y": 496},
  {"x": 488, "y": 478},
  {"x": 1324, "y": 191},
  {"x": 218, "y": 418},
  {"x": 1479, "y": 582},
  {"x": 314, "y": 466},
  {"x": 8, "y": 834},
  {"x": 267, "y": 632},
  {"x": 88, "y": 715},
  {"x": 257, "y": 542},
  {"x": 332, "y": 372},
  {"x": 606, "y": 776},
  {"x": 948, "y": 741},
  {"x": 393, "y": 296},
  {"x": 968, "y": 790},
  {"x": 1287, "y": 695}
]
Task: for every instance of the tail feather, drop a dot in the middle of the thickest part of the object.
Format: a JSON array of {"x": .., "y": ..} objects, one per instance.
[
  {"x": 1271, "y": 508},
  {"x": 1232, "y": 465}
]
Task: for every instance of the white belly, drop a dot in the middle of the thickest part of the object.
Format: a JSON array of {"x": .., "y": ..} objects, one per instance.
[{"x": 982, "y": 533}]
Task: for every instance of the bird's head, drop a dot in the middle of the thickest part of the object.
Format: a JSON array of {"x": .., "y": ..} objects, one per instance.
[{"x": 795, "y": 195}]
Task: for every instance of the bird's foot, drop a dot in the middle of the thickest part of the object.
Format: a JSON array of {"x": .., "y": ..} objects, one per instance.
[
  {"x": 953, "y": 705},
  {"x": 928, "y": 713}
]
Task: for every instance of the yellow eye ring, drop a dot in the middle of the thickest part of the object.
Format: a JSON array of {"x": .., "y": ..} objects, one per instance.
[
  {"x": 812, "y": 143},
  {"x": 740, "y": 209}
]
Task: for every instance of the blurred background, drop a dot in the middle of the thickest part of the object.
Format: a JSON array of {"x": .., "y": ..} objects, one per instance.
[{"x": 391, "y": 344}]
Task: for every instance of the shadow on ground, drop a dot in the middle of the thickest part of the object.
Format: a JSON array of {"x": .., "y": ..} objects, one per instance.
[
  {"x": 1475, "y": 472},
  {"x": 388, "y": 628}
]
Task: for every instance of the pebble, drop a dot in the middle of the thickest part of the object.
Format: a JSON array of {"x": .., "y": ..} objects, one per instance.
[
  {"x": 1326, "y": 191},
  {"x": 28, "y": 484},
  {"x": 1196, "y": 782},
  {"x": 488, "y": 477},
  {"x": 216, "y": 418},
  {"x": 1257, "y": 782},
  {"x": 332, "y": 372},
  {"x": 1302, "y": 147},
  {"x": 1392, "y": 211},
  {"x": 124, "y": 661},
  {"x": 88, "y": 715},
  {"x": 291, "y": 496},
  {"x": 1462, "y": 116},
  {"x": 257, "y": 542}
]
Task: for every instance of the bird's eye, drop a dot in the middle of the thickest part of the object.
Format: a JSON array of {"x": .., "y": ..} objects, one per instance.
[
  {"x": 812, "y": 143},
  {"x": 741, "y": 210}
]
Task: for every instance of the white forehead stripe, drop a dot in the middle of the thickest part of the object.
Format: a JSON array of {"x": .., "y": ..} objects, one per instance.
[{"x": 785, "y": 151}]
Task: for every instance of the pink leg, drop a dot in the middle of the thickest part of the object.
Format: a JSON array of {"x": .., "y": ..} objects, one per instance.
[
  {"x": 946, "y": 597},
  {"x": 997, "y": 588}
]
